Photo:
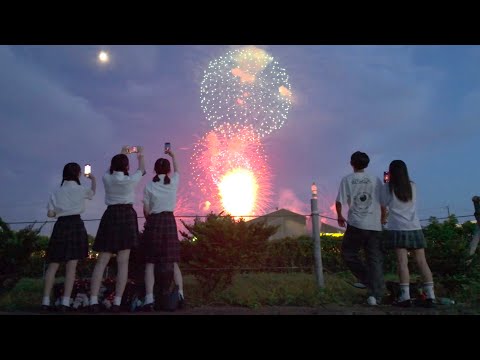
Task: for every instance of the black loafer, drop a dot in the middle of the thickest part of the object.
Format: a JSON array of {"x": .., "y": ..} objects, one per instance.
[
  {"x": 46, "y": 308},
  {"x": 95, "y": 308},
  {"x": 148, "y": 307},
  {"x": 404, "y": 303},
  {"x": 429, "y": 303},
  {"x": 63, "y": 309}
]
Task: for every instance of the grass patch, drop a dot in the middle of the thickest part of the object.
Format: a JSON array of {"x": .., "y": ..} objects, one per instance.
[
  {"x": 26, "y": 295},
  {"x": 260, "y": 289},
  {"x": 250, "y": 290}
]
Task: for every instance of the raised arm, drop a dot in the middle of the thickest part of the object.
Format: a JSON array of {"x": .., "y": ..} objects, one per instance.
[
  {"x": 141, "y": 160},
  {"x": 93, "y": 186},
  {"x": 174, "y": 162}
]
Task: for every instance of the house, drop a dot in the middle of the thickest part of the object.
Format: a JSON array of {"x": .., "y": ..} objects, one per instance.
[{"x": 291, "y": 224}]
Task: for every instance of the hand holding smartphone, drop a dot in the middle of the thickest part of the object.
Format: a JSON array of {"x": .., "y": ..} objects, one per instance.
[
  {"x": 386, "y": 177},
  {"x": 87, "y": 170},
  {"x": 167, "y": 147},
  {"x": 132, "y": 149}
]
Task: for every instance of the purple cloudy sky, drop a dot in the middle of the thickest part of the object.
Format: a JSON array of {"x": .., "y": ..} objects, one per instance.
[{"x": 420, "y": 104}]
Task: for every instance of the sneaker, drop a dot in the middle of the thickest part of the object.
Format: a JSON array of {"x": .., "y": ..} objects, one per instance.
[
  {"x": 359, "y": 285},
  {"x": 372, "y": 301}
]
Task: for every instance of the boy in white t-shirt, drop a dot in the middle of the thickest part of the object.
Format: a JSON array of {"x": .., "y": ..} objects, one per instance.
[{"x": 362, "y": 192}]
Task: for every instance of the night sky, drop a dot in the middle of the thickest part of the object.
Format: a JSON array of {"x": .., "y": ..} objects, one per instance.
[{"x": 421, "y": 104}]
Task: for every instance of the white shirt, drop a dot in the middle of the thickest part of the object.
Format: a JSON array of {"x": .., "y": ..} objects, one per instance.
[
  {"x": 362, "y": 191},
  {"x": 161, "y": 197},
  {"x": 69, "y": 199},
  {"x": 120, "y": 188},
  {"x": 402, "y": 215}
]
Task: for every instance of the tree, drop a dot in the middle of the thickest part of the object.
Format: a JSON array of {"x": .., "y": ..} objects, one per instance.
[
  {"x": 217, "y": 247},
  {"x": 17, "y": 248}
]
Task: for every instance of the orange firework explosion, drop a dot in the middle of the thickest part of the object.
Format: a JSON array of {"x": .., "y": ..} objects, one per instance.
[{"x": 230, "y": 168}]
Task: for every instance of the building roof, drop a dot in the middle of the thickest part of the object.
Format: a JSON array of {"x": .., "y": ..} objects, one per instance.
[{"x": 282, "y": 213}]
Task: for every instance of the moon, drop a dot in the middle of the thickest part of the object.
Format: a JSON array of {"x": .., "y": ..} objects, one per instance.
[{"x": 103, "y": 57}]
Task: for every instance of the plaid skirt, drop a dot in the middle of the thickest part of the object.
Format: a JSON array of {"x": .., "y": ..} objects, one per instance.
[
  {"x": 118, "y": 229},
  {"x": 69, "y": 240},
  {"x": 160, "y": 239},
  {"x": 412, "y": 239}
]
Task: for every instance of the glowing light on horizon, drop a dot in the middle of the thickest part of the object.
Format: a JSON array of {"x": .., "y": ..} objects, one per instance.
[
  {"x": 232, "y": 149},
  {"x": 238, "y": 191}
]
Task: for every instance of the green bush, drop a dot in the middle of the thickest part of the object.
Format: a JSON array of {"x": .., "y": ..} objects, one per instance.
[
  {"x": 447, "y": 254},
  {"x": 219, "y": 246},
  {"x": 18, "y": 247},
  {"x": 22, "y": 254}
]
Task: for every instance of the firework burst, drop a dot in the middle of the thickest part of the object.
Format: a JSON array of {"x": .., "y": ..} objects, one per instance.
[
  {"x": 249, "y": 87},
  {"x": 230, "y": 168}
]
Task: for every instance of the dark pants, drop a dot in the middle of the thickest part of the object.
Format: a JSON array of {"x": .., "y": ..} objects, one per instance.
[{"x": 371, "y": 273}]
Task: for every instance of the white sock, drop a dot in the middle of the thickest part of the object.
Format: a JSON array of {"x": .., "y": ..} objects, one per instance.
[
  {"x": 180, "y": 292},
  {"x": 65, "y": 301},
  {"x": 149, "y": 299},
  {"x": 428, "y": 288},
  {"x": 46, "y": 301},
  {"x": 117, "y": 300},
  {"x": 93, "y": 300},
  {"x": 404, "y": 292}
]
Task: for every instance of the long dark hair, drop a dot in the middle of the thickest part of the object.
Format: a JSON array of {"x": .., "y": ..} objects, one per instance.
[
  {"x": 162, "y": 166},
  {"x": 119, "y": 163},
  {"x": 399, "y": 182},
  {"x": 71, "y": 172}
]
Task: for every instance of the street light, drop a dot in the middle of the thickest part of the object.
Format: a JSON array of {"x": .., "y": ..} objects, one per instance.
[{"x": 314, "y": 190}]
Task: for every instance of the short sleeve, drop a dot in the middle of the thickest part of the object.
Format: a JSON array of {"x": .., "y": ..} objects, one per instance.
[
  {"x": 342, "y": 196},
  {"x": 137, "y": 176},
  {"x": 146, "y": 196},
  {"x": 51, "y": 203},
  {"x": 176, "y": 178},
  {"x": 385, "y": 196}
]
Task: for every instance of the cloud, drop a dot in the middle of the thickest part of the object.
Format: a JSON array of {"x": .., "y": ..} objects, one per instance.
[
  {"x": 43, "y": 126},
  {"x": 288, "y": 200},
  {"x": 39, "y": 116}
]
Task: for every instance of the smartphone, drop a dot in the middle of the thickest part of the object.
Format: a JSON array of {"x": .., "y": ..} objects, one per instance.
[
  {"x": 386, "y": 177},
  {"x": 132, "y": 149},
  {"x": 88, "y": 170},
  {"x": 167, "y": 146}
]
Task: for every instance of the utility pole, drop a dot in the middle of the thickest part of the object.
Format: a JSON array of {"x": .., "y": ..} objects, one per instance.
[
  {"x": 317, "y": 249},
  {"x": 476, "y": 235}
]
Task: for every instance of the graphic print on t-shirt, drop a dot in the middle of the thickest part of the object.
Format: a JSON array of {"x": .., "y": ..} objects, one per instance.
[
  {"x": 362, "y": 203},
  {"x": 363, "y": 199}
]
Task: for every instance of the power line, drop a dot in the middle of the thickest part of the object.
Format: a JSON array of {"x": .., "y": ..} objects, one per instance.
[{"x": 204, "y": 216}]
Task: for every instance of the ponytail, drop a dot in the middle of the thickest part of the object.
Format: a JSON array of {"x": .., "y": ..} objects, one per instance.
[
  {"x": 162, "y": 167},
  {"x": 166, "y": 180}
]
